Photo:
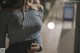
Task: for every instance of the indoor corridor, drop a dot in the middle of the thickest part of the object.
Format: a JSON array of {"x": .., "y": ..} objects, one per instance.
[{"x": 61, "y": 38}]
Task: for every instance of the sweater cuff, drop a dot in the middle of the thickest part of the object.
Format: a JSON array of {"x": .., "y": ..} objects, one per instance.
[{"x": 2, "y": 50}]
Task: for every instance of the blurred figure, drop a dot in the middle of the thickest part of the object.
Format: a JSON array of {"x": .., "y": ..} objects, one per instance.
[{"x": 21, "y": 20}]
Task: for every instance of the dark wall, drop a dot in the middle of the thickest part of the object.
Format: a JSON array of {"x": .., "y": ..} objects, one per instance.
[{"x": 77, "y": 31}]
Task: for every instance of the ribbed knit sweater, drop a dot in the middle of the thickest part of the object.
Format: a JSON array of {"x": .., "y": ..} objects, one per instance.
[{"x": 19, "y": 30}]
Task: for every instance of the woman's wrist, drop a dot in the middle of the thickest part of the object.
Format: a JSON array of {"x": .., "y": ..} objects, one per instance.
[{"x": 40, "y": 49}]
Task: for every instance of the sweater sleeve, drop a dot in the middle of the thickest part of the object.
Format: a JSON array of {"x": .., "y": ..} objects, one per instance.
[
  {"x": 2, "y": 30},
  {"x": 38, "y": 40}
]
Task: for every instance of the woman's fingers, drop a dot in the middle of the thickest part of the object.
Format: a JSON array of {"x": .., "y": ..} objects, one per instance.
[
  {"x": 35, "y": 46},
  {"x": 30, "y": 51}
]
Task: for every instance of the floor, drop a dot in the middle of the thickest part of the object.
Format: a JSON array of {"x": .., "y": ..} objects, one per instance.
[
  {"x": 51, "y": 37},
  {"x": 58, "y": 40}
]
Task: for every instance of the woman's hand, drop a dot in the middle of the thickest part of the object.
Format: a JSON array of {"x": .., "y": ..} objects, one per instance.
[
  {"x": 33, "y": 5},
  {"x": 29, "y": 3},
  {"x": 33, "y": 48}
]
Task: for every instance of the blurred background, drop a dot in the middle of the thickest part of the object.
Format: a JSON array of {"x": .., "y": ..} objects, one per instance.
[{"x": 59, "y": 26}]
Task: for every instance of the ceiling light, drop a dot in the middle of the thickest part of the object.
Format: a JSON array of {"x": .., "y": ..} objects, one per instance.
[{"x": 51, "y": 25}]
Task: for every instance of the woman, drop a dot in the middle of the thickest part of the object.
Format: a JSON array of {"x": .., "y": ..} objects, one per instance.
[{"x": 23, "y": 25}]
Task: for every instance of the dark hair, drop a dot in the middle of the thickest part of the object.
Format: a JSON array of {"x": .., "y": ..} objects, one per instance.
[
  {"x": 2, "y": 2},
  {"x": 29, "y": 0}
]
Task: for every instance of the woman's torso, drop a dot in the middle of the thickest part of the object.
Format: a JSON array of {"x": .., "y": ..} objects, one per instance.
[{"x": 27, "y": 29}]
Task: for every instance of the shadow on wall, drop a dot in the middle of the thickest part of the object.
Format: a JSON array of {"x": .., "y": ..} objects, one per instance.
[{"x": 66, "y": 43}]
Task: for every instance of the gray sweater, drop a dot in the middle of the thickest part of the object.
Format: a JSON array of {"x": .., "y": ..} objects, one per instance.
[{"x": 20, "y": 29}]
